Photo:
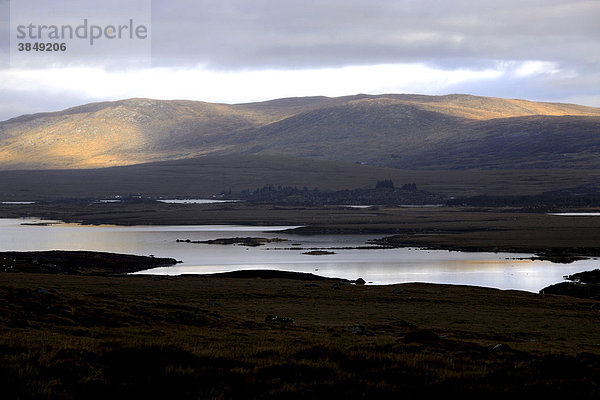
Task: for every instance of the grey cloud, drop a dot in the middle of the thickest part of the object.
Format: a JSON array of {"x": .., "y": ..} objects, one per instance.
[
  {"x": 4, "y": 33},
  {"x": 231, "y": 34},
  {"x": 292, "y": 34}
]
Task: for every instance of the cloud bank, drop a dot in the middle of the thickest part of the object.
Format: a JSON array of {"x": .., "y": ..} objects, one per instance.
[{"x": 238, "y": 51}]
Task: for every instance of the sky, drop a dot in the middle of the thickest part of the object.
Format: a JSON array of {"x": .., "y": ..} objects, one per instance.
[{"x": 236, "y": 51}]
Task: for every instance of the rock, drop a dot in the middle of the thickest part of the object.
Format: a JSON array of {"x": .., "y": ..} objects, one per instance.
[
  {"x": 360, "y": 281},
  {"x": 500, "y": 347},
  {"x": 404, "y": 324},
  {"x": 357, "y": 329},
  {"x": 398, "y": 291},
  {"x": 217, "y": 314},
  {"x": 282, "y": 320},
  {"x": 42, "y": 290}
]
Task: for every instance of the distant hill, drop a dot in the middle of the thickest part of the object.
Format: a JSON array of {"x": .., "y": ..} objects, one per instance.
[{"x": 395, "y": 130}]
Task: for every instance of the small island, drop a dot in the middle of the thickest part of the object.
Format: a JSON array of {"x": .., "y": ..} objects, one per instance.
[
  {"x": 319, "y": 253},
  {"x": 244, "y": 241}
]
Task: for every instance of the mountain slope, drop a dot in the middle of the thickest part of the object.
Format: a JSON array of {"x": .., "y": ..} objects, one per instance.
[
  {"x": 120, "y": 133},
  {"x": 398, "y": 130}
]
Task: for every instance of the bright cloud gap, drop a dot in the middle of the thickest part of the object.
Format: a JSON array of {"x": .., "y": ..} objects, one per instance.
[
  {"x": 239, "y": 86},
  {"x": 97, "y": 84}
]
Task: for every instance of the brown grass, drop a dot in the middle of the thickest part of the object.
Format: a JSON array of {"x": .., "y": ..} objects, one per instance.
[{"x": 202, "y": 337}]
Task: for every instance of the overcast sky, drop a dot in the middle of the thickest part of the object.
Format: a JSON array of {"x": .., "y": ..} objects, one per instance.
[{"x": 242, "y": 50}]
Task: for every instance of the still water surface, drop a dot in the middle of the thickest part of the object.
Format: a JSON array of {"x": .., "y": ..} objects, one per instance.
[
  {"x": 381, "y": 266},
  {"x": 195, "y": 201}
]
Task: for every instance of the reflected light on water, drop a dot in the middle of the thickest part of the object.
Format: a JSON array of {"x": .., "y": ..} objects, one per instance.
[{"x": 381, "y": 266}]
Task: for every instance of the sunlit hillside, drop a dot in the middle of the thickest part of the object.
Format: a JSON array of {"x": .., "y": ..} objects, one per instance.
[{"x": 389, "y": 130}]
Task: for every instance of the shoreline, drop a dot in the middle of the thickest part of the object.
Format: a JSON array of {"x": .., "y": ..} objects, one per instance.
[
  {"x": 559, "y": 239},
  {"x": 108, "y": 264},
  {"x": 462, "y": 230}
]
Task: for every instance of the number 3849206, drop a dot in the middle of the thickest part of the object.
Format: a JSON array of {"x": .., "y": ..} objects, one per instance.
[{"x": 42, "y": 46}]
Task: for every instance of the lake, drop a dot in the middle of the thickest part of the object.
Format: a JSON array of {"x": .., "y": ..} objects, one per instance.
[
  {"x": 577, "y": 214},
  {"x": 380, "y": 266},
  {"x": 195, "y": 201}
]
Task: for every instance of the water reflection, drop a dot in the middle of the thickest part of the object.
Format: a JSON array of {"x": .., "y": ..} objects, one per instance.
[
  {"x": 381, "y": 266},
  {"x": 577, "y": 214},
  {"x": 195, "y": 201}
]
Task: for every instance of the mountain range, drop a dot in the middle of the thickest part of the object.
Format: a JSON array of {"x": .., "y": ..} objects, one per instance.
[{"x": 395, "y": 130}]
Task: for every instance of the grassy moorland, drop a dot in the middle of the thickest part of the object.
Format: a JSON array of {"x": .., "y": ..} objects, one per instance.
[
  {"x": 204, "y": 177},
  {"x": 265, "y": 336},
  {"x": 71, "y": 336}
]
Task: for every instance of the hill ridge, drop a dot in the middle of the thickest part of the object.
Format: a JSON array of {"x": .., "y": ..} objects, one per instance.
[{"x": 387, "y": 130}]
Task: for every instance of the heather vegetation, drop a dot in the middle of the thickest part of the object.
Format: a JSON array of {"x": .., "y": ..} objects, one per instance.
[
  {"x": 261, "y": 337},
  {"x": 384, "y": 192},
  {"x": 581, "y": 196}
]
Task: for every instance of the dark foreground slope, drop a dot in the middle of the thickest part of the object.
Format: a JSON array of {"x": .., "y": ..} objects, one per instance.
[{"x": 66, "y": 337}]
